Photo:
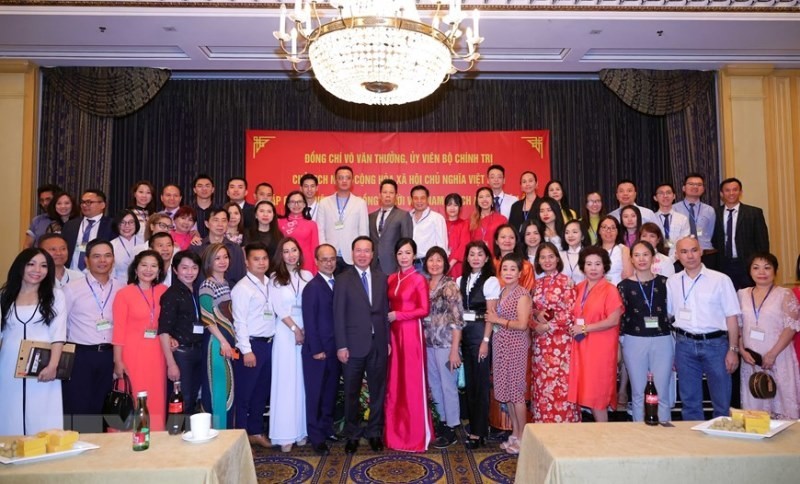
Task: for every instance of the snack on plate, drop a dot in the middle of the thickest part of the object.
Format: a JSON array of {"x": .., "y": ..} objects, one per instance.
[
  {"x": 31, "y": 446},
  {"x": 727, "y": 424},
  {"x": 756, "y": 421},
  {"x": 738, "y": 417},
  {"x": 59, "y": 440},
  {"x": 8, "y": 447}
]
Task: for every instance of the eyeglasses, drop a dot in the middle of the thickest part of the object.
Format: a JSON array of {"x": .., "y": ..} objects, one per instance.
[
  {"x": 693, "y": 184},
  {"x": 164, "y": 226},
  {"x": 90, "y": 202},
  {"x": 127, "y": 222}
]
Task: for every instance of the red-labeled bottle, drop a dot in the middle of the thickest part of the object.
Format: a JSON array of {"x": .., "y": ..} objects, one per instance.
[
  {"x": 650, "y": 402},
  {"x": 141, "y": 423},
  {"x": 175, "y": 415}
]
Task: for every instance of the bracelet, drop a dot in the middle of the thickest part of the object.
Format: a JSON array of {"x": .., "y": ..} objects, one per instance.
[
  {"x": 583, "y": 329},
  {"x": 485, "y": 339},
  {"x": 293, "y": 328}
]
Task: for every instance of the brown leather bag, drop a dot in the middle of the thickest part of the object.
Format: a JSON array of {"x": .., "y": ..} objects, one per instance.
[{"x": 762, "y": 385}]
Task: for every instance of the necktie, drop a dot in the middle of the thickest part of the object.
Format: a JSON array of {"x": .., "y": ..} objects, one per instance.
[
  {"x": 380, "y": 222},
  {"x": 496, "y": 204},
  {"x": 330, "y": 281},
  {"x": 729, "y": 235},
  {"x": 364, "y": 282},
  {"x": 692, "y": 220},
  {"x": 666, "y": 225},
  {"x": 87, "y": 232}
]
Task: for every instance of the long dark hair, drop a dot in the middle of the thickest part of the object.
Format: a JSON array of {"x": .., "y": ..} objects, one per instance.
[
  {"x": 496, "y": 247},
  {"x": 559, "y": 221},
  {"x": 283, "y": 274},
  {"x": 564, "y": 203},
  {"x": 274, "y": 231},
  {"x": 618, "y": 240},
  {"x": 304, "y": 213},
  {"x": 488, "y": 268},
  {"x": 133, "y": 278},
  {"x": 151, "y": 207},
  {"x": 10, "y": 290},
  {"x": 51, "y": 209}
]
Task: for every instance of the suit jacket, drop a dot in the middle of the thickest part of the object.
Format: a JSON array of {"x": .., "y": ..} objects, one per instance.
[
  {"x": 396, "y": 225},
  {"x": 249, "y": 214},
  {"x": 318, "y": 317},
  {"x": 751, "y": 231},
  {"x": 354, "y": 317},
  {"x": 105, "y": 231}
]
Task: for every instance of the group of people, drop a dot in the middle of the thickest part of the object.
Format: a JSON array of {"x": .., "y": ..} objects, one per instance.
[{"x": 545, "y": 310}]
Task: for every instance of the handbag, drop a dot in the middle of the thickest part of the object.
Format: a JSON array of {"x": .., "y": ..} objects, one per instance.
[
  {"x": 762, "y": 385},
  {"x": 118, "y": 406}
]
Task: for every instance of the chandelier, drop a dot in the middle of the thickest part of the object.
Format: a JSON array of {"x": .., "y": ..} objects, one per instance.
[{"x": 379, "y": 51}]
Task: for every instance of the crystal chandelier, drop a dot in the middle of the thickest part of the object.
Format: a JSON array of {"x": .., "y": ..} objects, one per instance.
[{"x": 378, "y": 51}]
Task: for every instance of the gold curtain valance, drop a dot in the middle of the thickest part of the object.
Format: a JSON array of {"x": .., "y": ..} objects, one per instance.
[
  {"x": 657, "y": 92},
  {"x": 108, "y": 91}
]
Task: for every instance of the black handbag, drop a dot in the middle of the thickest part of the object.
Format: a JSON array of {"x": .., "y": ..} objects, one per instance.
[{"x": 118, "y": 406}]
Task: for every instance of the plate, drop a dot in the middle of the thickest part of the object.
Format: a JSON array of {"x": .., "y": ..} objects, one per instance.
[
  {"x": 187, "y": 436},
  {"x": 78, "y": 447},
  {"x": 775, "y": 427}
]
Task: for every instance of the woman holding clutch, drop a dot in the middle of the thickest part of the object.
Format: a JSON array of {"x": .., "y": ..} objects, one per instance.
[{"x": 33, "y": 309}]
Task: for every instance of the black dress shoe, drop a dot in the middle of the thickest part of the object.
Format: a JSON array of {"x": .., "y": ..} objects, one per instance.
[
  {"x": 376, "y": 444},
  {"x": 322, "y": 449},
  {"x": 472, "y": 444},
  {"x": 351, "y": 447}
]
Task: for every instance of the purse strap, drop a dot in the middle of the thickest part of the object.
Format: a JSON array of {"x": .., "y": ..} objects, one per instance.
[{"x": 127, "y": 385}]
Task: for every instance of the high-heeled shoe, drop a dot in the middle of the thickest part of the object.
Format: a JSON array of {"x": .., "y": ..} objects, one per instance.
[
  {"x": 508, "y": 443},
  {"x": 474, "y": 443},
  {"x": 513, "y": 448}
]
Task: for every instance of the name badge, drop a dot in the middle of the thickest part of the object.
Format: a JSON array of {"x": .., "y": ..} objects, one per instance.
[
  {"x": 197, "y": 329},
  {"x": 339, "y": 225},
  {"x": 469, "y": 316},
  {"x": 150, "y": 333},
  {"x": 267, "y": 316},
  {"x": 699, "y": 232},
  {"x": 580, "y": 322},
  {"x": 81, "y": 247},
  {"x": 685, "y": 314},
  {"x": 757, "y": 334},
  {"x": 651, "y": 322},
  {"x": 103, "y": 325}
]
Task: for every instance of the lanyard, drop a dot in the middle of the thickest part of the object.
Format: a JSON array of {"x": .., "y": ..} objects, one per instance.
[
  {"x": 648, "y": 302},
  {"x": 569, "y": 262},
  {"x": 342, "y": 208},
  {"x": 585, "y": 295},
  {"x": 683, "y": 288},
  {"x": 757, "y": 310},
  {"x": 258, "y": 286},
  {"x": 196, "y": 308},
  {"x": 122, "y": 243},
  {"x": 691, "y": 212},
  {"x": 152, "y": 306},
  {"x": 102, "y": 307}
]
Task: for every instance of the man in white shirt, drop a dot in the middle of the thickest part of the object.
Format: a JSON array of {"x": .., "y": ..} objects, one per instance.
[
  {"x": 56, "y": 246},
  {"x": 387, "y": 225},
  {"x": 90, "y": 326},
  {"x": 496, "y": 176},
  {"x": 342, "y": 217},
  {"x": 430, "y": 229},
  {"x": 702, "y": 217},
  {"x": 706, "y": 309},
  {"x": 626, "y": 195},
  {"x": 254, "y": 325},
  {"x": 674, "y": 226},
  {"x": 308, "y": 185}
]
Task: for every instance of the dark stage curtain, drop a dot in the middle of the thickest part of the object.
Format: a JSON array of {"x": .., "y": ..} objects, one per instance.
[{"x": 195, "y": 126}]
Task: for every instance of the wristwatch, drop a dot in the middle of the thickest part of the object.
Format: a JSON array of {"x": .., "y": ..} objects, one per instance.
[
  {"x": 735, "y": 349},
  {"x": 293, "y": 328},
  {"x": 485, "y": 339}
]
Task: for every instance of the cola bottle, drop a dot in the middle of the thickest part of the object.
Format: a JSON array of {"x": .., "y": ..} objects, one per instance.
[
  {"x": 175, "y": 415},
  {"x": 650, "y": 401}
]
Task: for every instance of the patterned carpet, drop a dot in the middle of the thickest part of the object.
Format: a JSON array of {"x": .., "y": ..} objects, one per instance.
[{"x": 455, "y": 464}]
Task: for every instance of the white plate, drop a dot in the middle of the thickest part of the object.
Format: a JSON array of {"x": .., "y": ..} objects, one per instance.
[
  {"x": 77, "y": 448},
  {"x": 775, "y": 426},
  {"x": 187, "y": 436}
]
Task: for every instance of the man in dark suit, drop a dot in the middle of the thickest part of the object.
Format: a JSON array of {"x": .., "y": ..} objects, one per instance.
[
  {"x": 361, "y": 328},
  {"x": 237, "y": 191},
  {"x": 387, "y": 225},
  {"x": 739, "y": 232},
  {"x": 92, "y": 225},
  {"x": 320, "y": 365}
]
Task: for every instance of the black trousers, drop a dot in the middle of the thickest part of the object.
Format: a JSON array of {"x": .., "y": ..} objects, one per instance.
[
  {"x": 374, "y": 364},
  {"x": 322, "y": 380},
  {"x": 476, "y": 373},
  {"x": 83, "y": 394}
]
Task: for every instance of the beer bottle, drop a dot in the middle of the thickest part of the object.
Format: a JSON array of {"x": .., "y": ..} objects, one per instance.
[
  {"x": 175, "y": 410},
  {"x": 650, "y": 401},
  {"x": 141, "y": 423}
]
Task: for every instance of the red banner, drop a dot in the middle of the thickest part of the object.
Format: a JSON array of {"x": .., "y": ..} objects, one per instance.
[{"x": 443, "y": 162}]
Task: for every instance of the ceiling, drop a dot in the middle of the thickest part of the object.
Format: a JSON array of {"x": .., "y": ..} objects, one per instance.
[{"x": 522, "y": 38}]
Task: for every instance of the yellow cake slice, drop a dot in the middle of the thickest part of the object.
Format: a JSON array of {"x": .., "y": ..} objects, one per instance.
[
  {"x": 756, "y": 421},
  {"x": 31, "y": 446},
  {"x": 738, "y": 417}
]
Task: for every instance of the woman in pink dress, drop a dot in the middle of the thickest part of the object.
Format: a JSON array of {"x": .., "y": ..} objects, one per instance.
[
  {"x": 304, "y": 230},
  {"x": 553, "y": 298},
  {"x": 457, "y": 233},
  {"x": 770, "y": 319},
  {"x": 137, "y": 349},
  {"x": 409, "y": 426},
  {"x": 484, "y": 221}
]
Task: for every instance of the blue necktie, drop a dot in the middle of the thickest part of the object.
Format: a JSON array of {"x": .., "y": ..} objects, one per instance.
[
  {"x": 692, "y": 220},
  {"x": 364, "y": 282},
  {"x": 729, "y": 235},
  {"x": 380, "y": 222},
  {"x": 330, "y": 281},
  {"x": 666, "y": 225},
  {"x": 496, "y": 204},
  {"x": 87, "y": 232}
]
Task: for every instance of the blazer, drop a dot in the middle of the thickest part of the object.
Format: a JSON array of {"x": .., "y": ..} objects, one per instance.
[
  {"x": 396, "y": 225},
  {"x": 105, "y": 231},
  {"x": 354, "y": 318},
  {"x": 751, "y": 234},
  {"x": 249, "y": 215},
  {"x": 318, "y": 317}
]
